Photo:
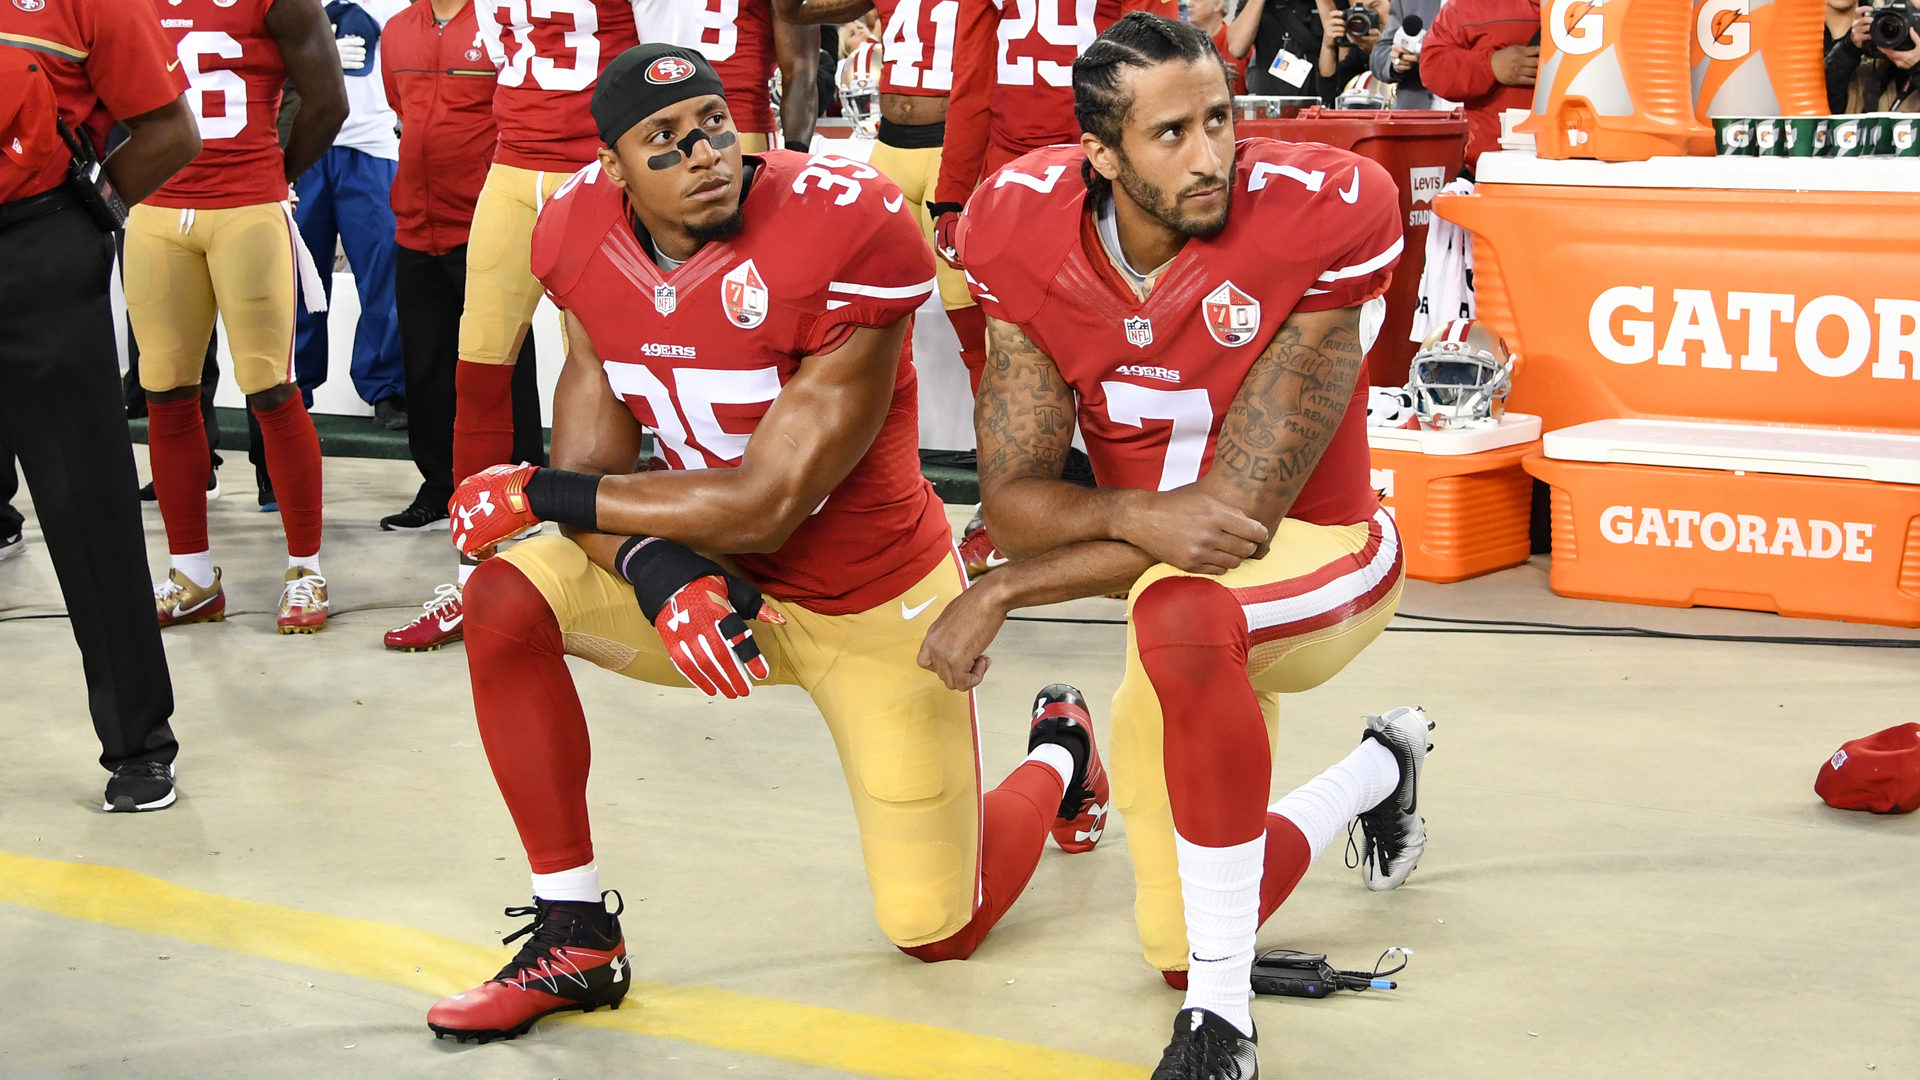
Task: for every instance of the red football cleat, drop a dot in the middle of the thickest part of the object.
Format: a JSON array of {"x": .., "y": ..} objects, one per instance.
[
  {"x": 568, "y": 963},
  {"x": 978, "y": 555},
  {"x": 440, "y": 624},
  {"x": 1060, "y": 716}
]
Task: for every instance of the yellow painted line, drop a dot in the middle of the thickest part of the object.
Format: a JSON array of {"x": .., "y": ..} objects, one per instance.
[{"x": 807, "y": 1034}]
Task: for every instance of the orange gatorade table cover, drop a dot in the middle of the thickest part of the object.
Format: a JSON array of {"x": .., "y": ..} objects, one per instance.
[{"x": 1459, "y": 497}]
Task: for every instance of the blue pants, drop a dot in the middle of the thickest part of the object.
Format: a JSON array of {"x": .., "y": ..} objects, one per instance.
[{"x": 345, "y": 196}]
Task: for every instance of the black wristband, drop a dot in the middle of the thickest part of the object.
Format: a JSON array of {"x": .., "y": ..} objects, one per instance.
[
  {"x": 569, "y": 498},
  {"x": 935, "y": 209},
  {"x": 798, "y": 147},
  {"x": 659, "y": 568}
]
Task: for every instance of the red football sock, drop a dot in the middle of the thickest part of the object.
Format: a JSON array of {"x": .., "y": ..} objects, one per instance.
[
  {"x": 177, "y": 450},
  {"x": 970, "y": 325},
  {"x": 1287, "y": 859},
  {"x": 1015, "y": 820},
  {"x": 530, "y": 717},
  {"x": 482, "y": 417},
  {"x": 1193, "y": 643},
  {"x": 293, "y": 464}
]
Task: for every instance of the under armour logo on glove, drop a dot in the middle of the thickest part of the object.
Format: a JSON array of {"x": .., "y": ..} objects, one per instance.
[
  {"x": 477, "y": 528},
  {"x": 709, "y": 642}
]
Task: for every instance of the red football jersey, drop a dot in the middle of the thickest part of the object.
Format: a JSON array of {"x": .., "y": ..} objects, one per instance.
[
  {"x": 1013, "y": 78},
  {"x": 701, "y": 354},
  {"x": 234, "y": 75},
  {"x": 1311, "y": 228},
  {"x": 916, "y": 43},
  {"x": 549, "y": 58}
]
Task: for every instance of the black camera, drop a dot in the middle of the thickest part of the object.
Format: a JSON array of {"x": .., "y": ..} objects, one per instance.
[
  {"x": 1893, "y": 25},
  {"x": 1362, "y": 20}
]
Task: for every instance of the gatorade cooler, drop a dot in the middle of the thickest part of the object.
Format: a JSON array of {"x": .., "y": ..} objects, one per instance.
[
  {"x": 1756, "y": 58},
  {"x": 1809, "y": 523},
  {"x": 1423, "y": 152},
  {"x": 1613, "y": 81},
  {"x": 1460, "y": 498}
]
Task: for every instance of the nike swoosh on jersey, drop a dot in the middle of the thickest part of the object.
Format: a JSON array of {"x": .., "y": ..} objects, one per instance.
[
  {"x": 173, "y": 65},
  {"x": 913, "y": 613},
  {"x": 893, "y": 205},
  {"x": 1352, "y": 194}
]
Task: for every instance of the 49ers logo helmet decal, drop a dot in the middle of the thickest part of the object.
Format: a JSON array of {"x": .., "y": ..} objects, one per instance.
[
  {"x": 1233, "y": 317},
  {"x": 669, "y": 69},
  {"x": 743, "y": 293}
]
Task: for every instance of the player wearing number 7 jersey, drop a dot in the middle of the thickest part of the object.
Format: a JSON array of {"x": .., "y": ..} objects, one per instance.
[
  {"x": 749, "y": 312},
  {"x": 219, "y": 238},
  {"x": 1196, "y": 305}
]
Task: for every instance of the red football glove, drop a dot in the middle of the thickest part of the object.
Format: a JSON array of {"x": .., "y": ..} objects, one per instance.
[
  {"x": 490, "y": 506},
  {"x": 709, "y": 642},
  {"x": 946, "y": 229}
]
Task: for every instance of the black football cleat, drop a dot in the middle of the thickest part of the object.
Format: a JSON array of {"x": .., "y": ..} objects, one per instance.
[
  {"x": 1206, "y": 1047},
  {"x": 576, "y": 958}
]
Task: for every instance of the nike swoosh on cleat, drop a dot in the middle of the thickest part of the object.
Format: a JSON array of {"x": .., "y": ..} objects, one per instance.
[
  {"x": 910, "y": 614},
  {"x": 997, "y": 559},
  {"x": 449, "y": 624}
]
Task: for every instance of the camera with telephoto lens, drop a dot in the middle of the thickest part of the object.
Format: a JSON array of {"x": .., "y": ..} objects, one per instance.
[
  {"x": 1893, "y": 25},
  {"x": 1362, "y": 20}
]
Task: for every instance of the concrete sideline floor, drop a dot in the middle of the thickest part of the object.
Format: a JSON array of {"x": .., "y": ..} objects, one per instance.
[{"x": 1628, "y": 874}]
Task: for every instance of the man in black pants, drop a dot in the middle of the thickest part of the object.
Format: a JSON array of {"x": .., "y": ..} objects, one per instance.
[
  {"x": 13, "y": 539},
  {"x": 97, "y": 62}
]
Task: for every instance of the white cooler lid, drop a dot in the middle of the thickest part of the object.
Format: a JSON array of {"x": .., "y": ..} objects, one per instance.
[
  {"x": 1513, "y": 429},
  {"x": 1853, "y": 455},
  {"x": 1868, "y": 174}
]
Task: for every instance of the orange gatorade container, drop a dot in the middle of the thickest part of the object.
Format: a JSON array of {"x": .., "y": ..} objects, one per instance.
[
  {"x": 1613, "y": 81},
  {"x": 1462, "y": 503},
  {"x": 1756, "y": 58}
]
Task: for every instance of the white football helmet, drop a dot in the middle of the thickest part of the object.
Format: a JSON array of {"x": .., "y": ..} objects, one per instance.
[
  {"x": 859, "y": 80},
  {"x": 1365, "y": 92},
  {"x": 1460, "y": 375}
]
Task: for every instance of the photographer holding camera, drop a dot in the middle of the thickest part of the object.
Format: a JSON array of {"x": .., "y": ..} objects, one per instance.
[
  {"x": 1306, "y": 48},
  {"x": 1871, "y": 68}
]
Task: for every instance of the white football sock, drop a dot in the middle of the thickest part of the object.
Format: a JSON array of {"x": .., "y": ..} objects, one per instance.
[
  {"x": 311, "y": 562},
  {"x": 466, "y": 571},
  {"x": 1058, "y": 757},
  {"x": 582, "y": 884},
  {"x": 1322, "y": 806},
  {"x": 1221, "y": 890},
  {"x": 195, "y": 568}
]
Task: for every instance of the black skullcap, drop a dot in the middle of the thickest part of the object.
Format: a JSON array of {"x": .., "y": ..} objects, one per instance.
[{"x": 645, "y": 79}]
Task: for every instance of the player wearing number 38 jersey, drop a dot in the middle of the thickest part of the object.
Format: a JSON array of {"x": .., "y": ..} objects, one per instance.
[
  {"x": 1197, "y": 305},
  {"x": 749, "y": 312}
]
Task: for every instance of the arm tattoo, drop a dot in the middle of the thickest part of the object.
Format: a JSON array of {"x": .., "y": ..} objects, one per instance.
[
  {"x": 1288, "y": 408},
  {"x": 1023, "y": 416}
]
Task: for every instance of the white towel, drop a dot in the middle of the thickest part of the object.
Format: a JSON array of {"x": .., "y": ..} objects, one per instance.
[
  {"x": 312, "y": 293},
  {"x": 1446, "y": 284}
]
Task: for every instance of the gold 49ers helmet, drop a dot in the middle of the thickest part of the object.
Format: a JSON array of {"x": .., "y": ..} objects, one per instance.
[{"x": 1461, "y": 373}]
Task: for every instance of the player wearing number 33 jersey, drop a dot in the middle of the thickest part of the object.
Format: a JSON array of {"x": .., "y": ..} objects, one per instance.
[{"x": 748, "y": 311}]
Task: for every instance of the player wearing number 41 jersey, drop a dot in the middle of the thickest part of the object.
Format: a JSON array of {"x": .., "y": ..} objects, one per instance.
[
  {"x": 749, "y": 312},
  {"x": 219, "y": 237},
  {"x": 1196, "y": 305}
]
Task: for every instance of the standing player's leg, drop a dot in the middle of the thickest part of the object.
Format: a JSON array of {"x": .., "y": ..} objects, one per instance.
[
  {"x": 170, "y": 306},
  {"x": 251, "y": 258},
  {"x": 1193, "y": 731},
  {"x": 361, "y": 191},
  {"x": 526, "y": 610}
]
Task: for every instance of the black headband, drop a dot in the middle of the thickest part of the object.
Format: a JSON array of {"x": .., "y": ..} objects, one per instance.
[{"x": 645, "y": 79}]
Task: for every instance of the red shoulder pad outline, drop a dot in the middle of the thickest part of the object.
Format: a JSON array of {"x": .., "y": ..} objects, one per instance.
[
  {"x": 1349, "y": 202},
  {"x": 570, "y": 226},
  {"x": 1017, "y": 229}
]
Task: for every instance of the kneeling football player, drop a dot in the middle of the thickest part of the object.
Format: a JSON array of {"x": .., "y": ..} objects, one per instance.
[
  {"x": 749, "y": 312},
  {"x": 1197, "y": 304}
]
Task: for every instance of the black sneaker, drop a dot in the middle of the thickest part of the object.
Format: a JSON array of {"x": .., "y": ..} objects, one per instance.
[
  {"x": 140, "y": 785},
  {"x": 268, "y": 504},
  {"x": 390, "y": 414},
  {"x": 1395, "y": 833},
  {"x": 213, "y": 489},
  {"x": 16, "y": 544},
  {"x": 1206, "y": 1047},
  {"x": 415, "y": 518}
]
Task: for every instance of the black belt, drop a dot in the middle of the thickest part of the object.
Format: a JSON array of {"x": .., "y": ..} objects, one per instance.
[
  {"x": 912, "y": 136},
  {"x": 34, "y": 206}
]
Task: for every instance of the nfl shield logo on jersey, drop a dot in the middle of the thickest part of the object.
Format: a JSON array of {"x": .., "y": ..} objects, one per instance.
[
  {"x": 1139, "y": 332},
  {"x": 665, "y": 299},
  {"x": 1233, "y": 317},
  {"x": 744, "y": 295}
]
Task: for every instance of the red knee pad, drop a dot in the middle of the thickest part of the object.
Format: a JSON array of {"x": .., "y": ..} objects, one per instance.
[
  {"x": 1192, "y": 612},
  {"x": 501, "y": 601}
]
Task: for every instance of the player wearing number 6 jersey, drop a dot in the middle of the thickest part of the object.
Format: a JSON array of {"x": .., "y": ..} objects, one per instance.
[
  {"x": 549, "y": 55},
  {"x": 1196, "y": 306},
  {"x": 219, "y": 238},
  {"x": 749, "y": 312}
]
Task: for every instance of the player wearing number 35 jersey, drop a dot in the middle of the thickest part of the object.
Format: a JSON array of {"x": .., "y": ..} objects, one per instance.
[
  {"x": 219, "y": 238},
  {"x": 1196, "y": 305},
  {"x": 749, "y": 312}
]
